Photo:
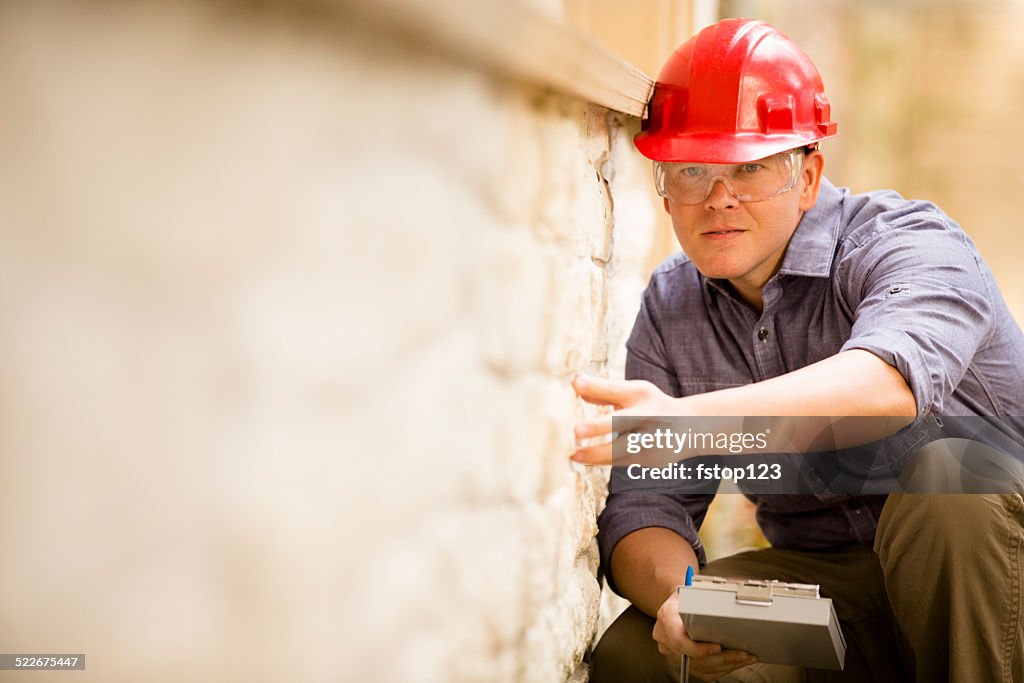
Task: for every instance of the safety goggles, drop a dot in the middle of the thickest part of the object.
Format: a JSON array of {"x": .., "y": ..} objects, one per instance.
[{"x": 752, "y": 181}]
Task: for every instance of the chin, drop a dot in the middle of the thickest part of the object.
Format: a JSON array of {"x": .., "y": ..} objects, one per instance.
[{"x": 719, "y": 271}]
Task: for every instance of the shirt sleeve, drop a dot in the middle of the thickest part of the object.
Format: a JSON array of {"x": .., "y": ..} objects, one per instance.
[
  {"x": 923, "y": 303},
  {"x": 625, "y": 513}
]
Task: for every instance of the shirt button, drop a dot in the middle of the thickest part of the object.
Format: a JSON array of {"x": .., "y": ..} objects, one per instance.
[{"x": 762, "y": 334}]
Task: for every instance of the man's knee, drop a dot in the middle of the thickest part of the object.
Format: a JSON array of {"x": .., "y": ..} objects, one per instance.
[
  {"x": 944, "y": 524},
  {"x": 628, "y": 652},
  {"x": 962, "y": 466},
  {"x": 932, "y": 506}
]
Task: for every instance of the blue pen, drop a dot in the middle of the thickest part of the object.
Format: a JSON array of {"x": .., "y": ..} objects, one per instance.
[{"x": 684, "y": 673}]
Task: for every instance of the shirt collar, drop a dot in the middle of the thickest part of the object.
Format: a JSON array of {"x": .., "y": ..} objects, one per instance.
[{"x": 813, "y": 245}]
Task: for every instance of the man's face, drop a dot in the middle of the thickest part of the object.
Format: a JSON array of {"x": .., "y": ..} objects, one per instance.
[{"x": 744, "y": 242}]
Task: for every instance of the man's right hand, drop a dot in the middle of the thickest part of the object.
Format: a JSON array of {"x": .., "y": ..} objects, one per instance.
[{"x": 708, "y": 661}]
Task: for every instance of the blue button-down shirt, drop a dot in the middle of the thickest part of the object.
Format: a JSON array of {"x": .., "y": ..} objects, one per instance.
[{"x": 870, "y": 271}]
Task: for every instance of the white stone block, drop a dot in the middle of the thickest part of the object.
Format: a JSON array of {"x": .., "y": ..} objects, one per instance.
[{"x": 510, "y": 301}]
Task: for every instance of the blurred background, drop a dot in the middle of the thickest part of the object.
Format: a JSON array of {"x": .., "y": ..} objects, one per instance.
[
  {"x": 291, "y": 294},
  {"x": 928, "y": 95}
]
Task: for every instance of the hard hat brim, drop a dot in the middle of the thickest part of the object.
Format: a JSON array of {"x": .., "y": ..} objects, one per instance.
[{"x": 718, "y": 148}]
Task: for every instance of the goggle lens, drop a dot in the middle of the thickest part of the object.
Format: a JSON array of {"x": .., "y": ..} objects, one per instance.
[{"x": 752, "y": 181}]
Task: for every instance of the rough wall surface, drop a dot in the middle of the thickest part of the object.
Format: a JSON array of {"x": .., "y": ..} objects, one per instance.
[{"x": 290, "y": 310}]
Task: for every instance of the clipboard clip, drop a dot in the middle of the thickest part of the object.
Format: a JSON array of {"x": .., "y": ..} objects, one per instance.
[{"x": 756, "y": 593}]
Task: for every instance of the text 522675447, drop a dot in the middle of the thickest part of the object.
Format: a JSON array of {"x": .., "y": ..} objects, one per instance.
[{"x": 49, "y": 662}]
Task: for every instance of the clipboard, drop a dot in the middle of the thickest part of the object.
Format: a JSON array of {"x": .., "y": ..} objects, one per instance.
[{"x": 779, "y": 623}]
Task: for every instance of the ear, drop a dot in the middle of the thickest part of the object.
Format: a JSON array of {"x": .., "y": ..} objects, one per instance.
[{"x": 810, "y": 174}]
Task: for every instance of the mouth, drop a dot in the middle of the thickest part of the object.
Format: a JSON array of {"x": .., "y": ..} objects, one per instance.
[{"x": 722, "y": 232}]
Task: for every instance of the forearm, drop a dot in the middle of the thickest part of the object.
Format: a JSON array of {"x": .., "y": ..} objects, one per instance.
[
  {"x": 648, "y": 564},
  {"x": 850, "y": 384},
  {"x": 854, "y": 383}
]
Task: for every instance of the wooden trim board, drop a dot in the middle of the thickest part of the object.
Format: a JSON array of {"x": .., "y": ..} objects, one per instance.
[{"x": 521, "y": 42}]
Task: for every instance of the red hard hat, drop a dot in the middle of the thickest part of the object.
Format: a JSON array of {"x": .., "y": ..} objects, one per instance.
[{"x": 737, "y": 91}]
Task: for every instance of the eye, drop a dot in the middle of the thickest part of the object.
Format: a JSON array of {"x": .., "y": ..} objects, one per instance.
[
  {"x": 750, "y": 168},
  {"x": 691, "y": 171}
]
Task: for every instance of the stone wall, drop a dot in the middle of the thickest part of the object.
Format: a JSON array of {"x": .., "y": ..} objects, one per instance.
[{"x": 290, "y": 308}]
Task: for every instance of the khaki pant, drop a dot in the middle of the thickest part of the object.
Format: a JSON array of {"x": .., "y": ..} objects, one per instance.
[{"x": 939, "y": 599}]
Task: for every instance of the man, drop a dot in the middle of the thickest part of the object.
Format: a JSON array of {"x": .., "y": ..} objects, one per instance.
[{"x": 793, "y": 297}]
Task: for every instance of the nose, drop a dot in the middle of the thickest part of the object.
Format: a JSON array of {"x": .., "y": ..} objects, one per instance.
[{"x": 720, "y": 195}]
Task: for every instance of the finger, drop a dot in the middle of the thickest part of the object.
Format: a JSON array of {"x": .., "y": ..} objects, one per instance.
[
  {"x": 601, "y": 453},
  {"x": 604, "y": 453},
  {"x": 697, "y": 648},
  {"x": 598, "y": 454},
  {"x": 701, "y": 650},
  {"x": 606, "y": 391},
  {"x": 619, "y": 446},
  {"x": 594, "y": 428},
  {"x": 606, "y": 424},
  {"x": 714, "y": 666}
]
